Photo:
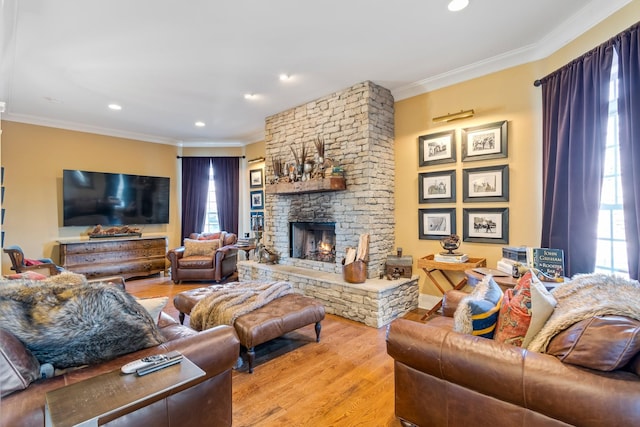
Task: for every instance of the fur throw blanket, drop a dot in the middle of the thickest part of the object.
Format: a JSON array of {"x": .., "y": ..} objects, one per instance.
[
  {"x": 70, "y": 325},
  {"x": 227, "y": 302},
  {"x": 585, "y": 296}
]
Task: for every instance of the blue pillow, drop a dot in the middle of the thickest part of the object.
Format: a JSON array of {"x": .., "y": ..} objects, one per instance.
[{"x": 477, "y": 313}]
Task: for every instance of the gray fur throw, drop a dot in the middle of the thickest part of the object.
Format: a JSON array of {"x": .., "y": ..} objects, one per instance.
[
  {"x": 585, "y": 296},
  {"x": 70, "y": 325}
]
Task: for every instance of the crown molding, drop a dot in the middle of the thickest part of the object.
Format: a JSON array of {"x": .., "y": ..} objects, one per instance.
[{"x": 583, "y": 20}]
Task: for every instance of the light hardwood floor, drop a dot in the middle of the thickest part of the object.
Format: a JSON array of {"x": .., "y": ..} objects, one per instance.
[{"x": 344, "y": 380}]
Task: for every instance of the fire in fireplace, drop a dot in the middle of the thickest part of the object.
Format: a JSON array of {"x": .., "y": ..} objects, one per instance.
[{"x": 314, "y": 241}]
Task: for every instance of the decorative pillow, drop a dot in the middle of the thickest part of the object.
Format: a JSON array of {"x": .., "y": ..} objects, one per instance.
[
  {"x": 154, "y": 306},
  {"x": 27, "y": 275},
  {"x": 542, "y": 306},
  {"x": 18, "y": 367},
  {"x": 200, "y": 247},
  {"x": 477, "y": 313},
  {"x": 29, "y": 262},
  {"x": 605, "y": 343},
  {"x": 106, "y": 322},
  {"x": 524, "y": 311}
]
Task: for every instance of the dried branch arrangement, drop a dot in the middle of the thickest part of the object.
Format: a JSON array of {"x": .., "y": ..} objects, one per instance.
[{"x": 319, "y": 143}]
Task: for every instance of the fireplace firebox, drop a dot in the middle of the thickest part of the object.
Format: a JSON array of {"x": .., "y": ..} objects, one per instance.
[{"x": 315, "y": 241}]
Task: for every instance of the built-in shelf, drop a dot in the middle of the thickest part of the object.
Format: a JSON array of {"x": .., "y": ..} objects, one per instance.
[{"x": 331, "y": 183}]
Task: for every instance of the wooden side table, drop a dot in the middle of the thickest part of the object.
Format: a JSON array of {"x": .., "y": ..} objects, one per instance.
[
  {"x": 429, "y": 265},
  {"x": 103, "y": 398}
]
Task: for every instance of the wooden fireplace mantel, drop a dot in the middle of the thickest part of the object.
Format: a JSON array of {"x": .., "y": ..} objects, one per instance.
[{"x": 332, "y": 183}]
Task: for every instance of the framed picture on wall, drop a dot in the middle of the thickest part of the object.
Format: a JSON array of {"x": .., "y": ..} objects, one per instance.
[
  {"x": 437, "y": 187},
  {"x": 434, "y": 224},
  {"x": 257, "y": 199},
  {"x": 437, "y": 148},
  {"x": 257, "y": 221},
  {"x": 488, "y": 184},
  {"x": 256, "y": 179},
  {"x": 484, "y": 142},
  {"x": 489, "y": 225}
]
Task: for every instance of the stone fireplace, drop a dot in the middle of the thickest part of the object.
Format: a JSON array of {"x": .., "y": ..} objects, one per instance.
[
  {"x": 315, "y": 241},
  {"x": 357, "y": 126},
  {"x": 358, "y": 129}
]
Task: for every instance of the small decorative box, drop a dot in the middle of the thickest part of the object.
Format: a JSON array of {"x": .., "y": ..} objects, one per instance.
[
  {"x": 399, "y": 266},
  {"x": 518, "y": 254}
]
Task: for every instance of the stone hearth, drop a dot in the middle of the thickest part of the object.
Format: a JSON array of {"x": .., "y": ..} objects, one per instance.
[{"x": 375, "y": 303}]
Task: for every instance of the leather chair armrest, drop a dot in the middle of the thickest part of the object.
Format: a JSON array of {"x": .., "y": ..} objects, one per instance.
[
  {"x": 175, "y": 254},
  {"x": 450, "y": 301}
]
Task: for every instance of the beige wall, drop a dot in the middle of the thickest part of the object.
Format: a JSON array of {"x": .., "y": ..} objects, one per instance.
[
  {"x": 506, "y": 95},
  {"x": 35, "y": 156}
]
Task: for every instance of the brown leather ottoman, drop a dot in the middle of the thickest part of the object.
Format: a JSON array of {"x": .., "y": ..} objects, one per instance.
[{"x": 282, "y": 315}]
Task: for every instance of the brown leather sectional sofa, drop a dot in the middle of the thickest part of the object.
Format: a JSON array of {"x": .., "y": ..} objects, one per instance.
[
  {"x": 443, "y": 378},
  {"x": 202, "y": 402}
]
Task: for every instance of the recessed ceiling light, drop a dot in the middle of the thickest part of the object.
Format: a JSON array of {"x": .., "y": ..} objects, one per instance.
[
  {"x": 250, "y": 96},
  {"x": 115, "y": 107},
  {"x": 200, "y": 124},
  {"x": 457, "y": 5},
  {"x": 285, "y": 77}
]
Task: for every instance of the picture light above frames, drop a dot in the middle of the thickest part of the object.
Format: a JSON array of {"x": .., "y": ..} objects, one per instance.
[{"x": 454, "y": 116}]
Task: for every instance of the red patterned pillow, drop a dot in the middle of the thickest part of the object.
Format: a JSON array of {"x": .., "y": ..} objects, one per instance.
[
  {"x": 515, "y": 313},
  {"x": 29, "y": 275}
]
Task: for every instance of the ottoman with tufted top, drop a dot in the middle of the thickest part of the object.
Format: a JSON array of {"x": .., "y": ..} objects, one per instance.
[{"x": 276, "y": 318}]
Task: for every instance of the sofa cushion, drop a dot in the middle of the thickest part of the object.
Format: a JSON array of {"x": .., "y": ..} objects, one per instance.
[
  {"x": 524, "y": 310},
  {"x": 605, "y": 343},
  {"x": 18, "y": 367},
  {"x": 200, "y": 247},
  {"x": 477, "y": 314},
  {"x": 154, "y": 306}
]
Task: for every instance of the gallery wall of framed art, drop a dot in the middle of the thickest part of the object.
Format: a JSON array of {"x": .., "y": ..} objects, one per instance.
[{"x": 438, "y": 170}]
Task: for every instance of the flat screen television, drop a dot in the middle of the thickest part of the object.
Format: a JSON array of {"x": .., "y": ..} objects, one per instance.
[{"x": 92, "y": 198}]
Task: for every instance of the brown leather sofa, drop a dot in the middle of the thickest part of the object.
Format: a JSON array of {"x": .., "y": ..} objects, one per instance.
[
  {"x": 444, "y": 378},
  {"x": 217, "y": 267},
  {"x": 202, "y": 402}
]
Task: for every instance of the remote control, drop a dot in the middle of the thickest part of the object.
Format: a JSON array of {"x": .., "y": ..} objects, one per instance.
[
  {"x": 171, "y": 360},
  {"x": 148, "y": 361}
]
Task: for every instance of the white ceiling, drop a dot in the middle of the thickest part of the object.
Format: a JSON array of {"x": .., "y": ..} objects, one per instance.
[{"x": 170, "y": 63}]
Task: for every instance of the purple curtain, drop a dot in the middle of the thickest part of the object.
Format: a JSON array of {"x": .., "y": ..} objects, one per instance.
[
  {"x": 628, "y": 48},
  {"x": 195, "y": 185},
  {"x": 226, "y": 176},
  {"x": 575, "y": 112}
]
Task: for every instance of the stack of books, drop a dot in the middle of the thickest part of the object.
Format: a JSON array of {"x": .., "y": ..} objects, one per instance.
[
  {"x": 444, "y": 257},
  {"x": 245, "y": 242},
  {"x": 506, "y": 265}
]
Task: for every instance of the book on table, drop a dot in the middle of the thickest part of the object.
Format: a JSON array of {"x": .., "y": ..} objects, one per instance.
[
  {"x": 549, "y": 261},
  {"x": 456, "y": 258}
]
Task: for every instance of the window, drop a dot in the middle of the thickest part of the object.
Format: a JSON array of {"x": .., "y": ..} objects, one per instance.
[
  {"x": 211, "y": 224},
  {"x": 611, "y": 255}
]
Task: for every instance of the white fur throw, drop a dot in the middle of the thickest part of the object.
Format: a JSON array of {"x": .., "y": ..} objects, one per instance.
[
  {"x": 585, "y": 296},
  {"x": 229, "y": 301}
]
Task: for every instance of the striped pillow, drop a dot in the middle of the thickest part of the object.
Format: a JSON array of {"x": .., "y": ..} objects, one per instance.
[{"x": 477, "y": 313}]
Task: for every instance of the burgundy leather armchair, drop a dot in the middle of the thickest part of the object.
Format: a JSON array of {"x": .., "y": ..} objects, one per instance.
[{"x": 215, "y": 267}]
